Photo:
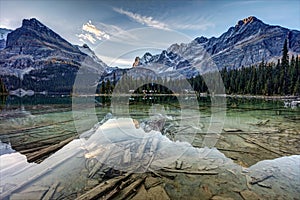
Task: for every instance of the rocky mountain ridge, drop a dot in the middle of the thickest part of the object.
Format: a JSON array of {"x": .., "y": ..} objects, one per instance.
[
  {"x": 249, "y": 42},
  {"x": 38, "y": 59}
]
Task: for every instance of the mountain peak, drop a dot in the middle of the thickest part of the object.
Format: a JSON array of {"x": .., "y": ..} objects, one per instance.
[
  {"x": 247, "y": 20},
  {"x": 246, "y": 44},
  {"x": 33, "y": 22},
  {"x": 201, "y": 39},
  {"x": 33, "y": 36}
]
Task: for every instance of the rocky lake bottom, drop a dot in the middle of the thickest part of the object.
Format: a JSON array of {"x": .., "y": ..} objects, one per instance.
[{"x": 149, "y": 148}]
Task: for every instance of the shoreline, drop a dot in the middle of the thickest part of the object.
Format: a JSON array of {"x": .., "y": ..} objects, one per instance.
[
  {"x": 274, "y": 97},
  {"x": 247, "y": 96}
]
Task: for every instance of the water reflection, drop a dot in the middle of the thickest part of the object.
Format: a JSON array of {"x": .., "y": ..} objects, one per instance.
[
  {"x": 120, "y": 146},
  {"x": 258, "y": 135}
]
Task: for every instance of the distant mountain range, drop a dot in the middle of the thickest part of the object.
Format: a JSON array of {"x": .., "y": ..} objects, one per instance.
[
  {"x": 249, "y": 42},
  {"x": 33, "y": 57}
]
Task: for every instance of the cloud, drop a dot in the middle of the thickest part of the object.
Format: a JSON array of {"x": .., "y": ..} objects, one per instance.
[
  {"x": 190, "y": 22},
  {"x": 109, "y": 29},
  {"x": 90, "y": 28},
  {"x": 200, "y": 26},
  {"x": 92, "y": 34},
  {"x": 145, "y": 20},
  {"x": 101, "y": 32},
  {"x": 181, "y": 23},
  {"x": 86, "y": 36}
]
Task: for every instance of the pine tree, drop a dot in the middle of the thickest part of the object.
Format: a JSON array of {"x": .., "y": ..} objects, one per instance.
[
  {"x": 296, "y": 90},
  {"x": 242, "y": 85},
  {"x": 102, "y": 91},
  {"x": 297, "y": 87},
  {"x": 114, "y": 79},
  {"x": 2, "y": 87},
  {"x": 108, "y": 87},
  {"x": 284, "y": 66},
  {"x": 253, "y": 80},
  {"x": 269, "y": 89}
]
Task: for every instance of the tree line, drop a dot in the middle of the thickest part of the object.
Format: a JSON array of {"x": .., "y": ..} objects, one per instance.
[{"x": 281, "y": 78}]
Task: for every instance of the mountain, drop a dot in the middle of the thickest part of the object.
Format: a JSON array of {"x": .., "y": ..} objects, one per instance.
[
  {"x": 247, "y": 43},
  {"x": 38, "y": 59},
  {"x": 3, "y": 36}
]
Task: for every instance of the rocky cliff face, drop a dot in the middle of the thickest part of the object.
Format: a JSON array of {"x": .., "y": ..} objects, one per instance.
[
  {"x": 36, "y": 58},
  {"x": 248, "y": 42},
  {"x": 34, "y": 37}
]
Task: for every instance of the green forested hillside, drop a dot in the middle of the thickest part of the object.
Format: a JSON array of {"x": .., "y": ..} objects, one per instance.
[{"x": 281, "y": 78}]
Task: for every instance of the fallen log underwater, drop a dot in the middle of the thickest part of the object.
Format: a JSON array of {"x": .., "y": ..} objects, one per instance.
[
  {"x": 33, "y": 157},
  {"x": 261, "y": 145},
  {"x": 103, "y": 188},
  {"x": 190, "y": 172},
  {"x": 18, "y": 132}
]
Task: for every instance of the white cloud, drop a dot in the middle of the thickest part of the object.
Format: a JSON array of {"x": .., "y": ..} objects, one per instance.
[
  {"x": 90, "y": 28},
  {"x": 181, "y": 23},
  {"x": 149, "y": 21},
  {"x": 191, "y": 22},
  {"x": 86, "y": 36},
  {"x": 109, "y": 29},
  {"x": 200, "y": 26},
  {"x": 92, "y": 34},
  {"x": 101, "y": 32}
]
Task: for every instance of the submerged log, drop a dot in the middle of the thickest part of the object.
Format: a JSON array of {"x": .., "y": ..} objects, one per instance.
[
  {"x": 32, "y": 157},
  {"x": 152, "y": 182},
  {"x": 238, "y": 151},
  {"x": 190, "y": 172},
  {"x": 111, "y": 194},
  {"x": 51, "y": 191},
  {"x": 21, "y": 131},
  {"x": 132, "y": 188},
  {"x": 103, "y": 188},
  {"x": 262, "y": 122},
  {"x": 141, "y": 148},
  {"x": 263, "y": 146},
  {"x": 232, "y": 130},
  {"x": 258, "y": 180},
  {"x": 153, "y": 149},
  {"x": 100, "y": 163},
  {"x": 27, "y": 151},
  {"x": 167, "y": 174},
  {"x": 50, "y": 139}
]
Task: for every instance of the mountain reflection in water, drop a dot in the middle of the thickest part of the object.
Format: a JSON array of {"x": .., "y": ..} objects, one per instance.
[
  {"x": 130, "y": 149},
  {"x": 256, "y": 155}
]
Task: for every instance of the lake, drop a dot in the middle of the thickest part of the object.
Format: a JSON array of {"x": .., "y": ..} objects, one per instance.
[{"x": 175, "y": 146}]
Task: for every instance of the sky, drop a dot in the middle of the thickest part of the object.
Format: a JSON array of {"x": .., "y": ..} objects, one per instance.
[{"x": 120, "y": 30}]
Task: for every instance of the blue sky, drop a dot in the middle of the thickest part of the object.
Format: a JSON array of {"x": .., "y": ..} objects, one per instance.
[{"x": 118, "y": 30}]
